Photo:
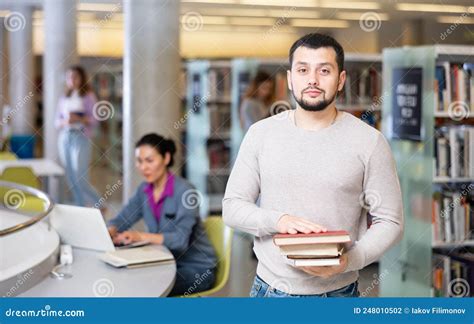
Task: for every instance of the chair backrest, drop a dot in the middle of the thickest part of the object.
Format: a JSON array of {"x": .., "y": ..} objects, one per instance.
[
  {"x": 8, "y": 156},
  {"x": 221, "y": 239},
  {"x": 21, "y": 175},
  {"x": 15, "y": 199}
]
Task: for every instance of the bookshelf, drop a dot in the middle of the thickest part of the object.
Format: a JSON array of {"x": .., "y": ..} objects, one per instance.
[
  {"x": 435, "y": 169},
  {"x": 208, "y": 129},
  {"x": 362, "y": 92},
  {"x": 106, "y": 79}
]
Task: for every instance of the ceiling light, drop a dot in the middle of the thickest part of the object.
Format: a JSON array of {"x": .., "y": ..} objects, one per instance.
[{"x": 323, "y": 23}]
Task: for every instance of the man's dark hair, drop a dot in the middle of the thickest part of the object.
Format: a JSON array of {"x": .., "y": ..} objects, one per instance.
[{"x": 315, "y": 41}]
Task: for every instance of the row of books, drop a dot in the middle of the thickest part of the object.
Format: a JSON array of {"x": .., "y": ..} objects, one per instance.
[
  {"x": 219, "y": 83},
  {"x": 361, "y": 87},
  {"x": 453, "y": 216},
  {"x": 108, "y": 86},
  {"x": 454, "y": 151},
  {"x": 219, "y": 118},
  {"x": 216, "y": 183},
  {"x": 313, "y": 249},
  {"x": 218, "y": 151},
  {"x": 454, "y": 82},
  {"x": 453, "y": 275}
]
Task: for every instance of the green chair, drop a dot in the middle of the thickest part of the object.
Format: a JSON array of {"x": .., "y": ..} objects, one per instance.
[
  {"x": 8, "y": 156},
  {"x": 24, "y": 176},
  {"x": 221, "y": 239}
]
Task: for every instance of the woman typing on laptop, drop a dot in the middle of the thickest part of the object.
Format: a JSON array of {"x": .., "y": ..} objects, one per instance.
[{"x": 161, "y": 201}]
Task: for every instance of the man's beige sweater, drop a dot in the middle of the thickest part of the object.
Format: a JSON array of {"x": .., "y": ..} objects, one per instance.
[{"x": 332, "y": 177}]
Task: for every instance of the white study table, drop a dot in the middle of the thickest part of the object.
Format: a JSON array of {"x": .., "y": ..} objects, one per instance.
[
  {"x": 92, "y": 277},
  {"x": 41, "y": 167}
]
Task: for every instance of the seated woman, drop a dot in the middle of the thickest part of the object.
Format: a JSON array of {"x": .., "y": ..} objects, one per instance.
[{"x": 162, "y": 201}]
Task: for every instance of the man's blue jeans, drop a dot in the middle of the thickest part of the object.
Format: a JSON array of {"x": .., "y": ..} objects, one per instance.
[{"x": 261, "y": 289}]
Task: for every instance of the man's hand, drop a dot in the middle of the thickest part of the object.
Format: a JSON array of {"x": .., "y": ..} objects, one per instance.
[
  {"x": 293, "y": 224},
  {"x": 327, "y": 271}
]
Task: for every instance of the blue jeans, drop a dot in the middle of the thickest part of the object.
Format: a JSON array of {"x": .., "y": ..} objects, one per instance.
[
  {"x": 261, "y": 289},
  {"x": 75, "y": 155}
]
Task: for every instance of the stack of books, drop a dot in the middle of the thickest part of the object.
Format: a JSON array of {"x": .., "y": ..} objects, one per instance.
[
  {"x": 219, "y": 84},
  {"x": 314, "y": 249},
  {"x": 361, "y": 87},
  {"x": 453, "y": 273},
  {"x": 454, "y": 153},
  {"x": 454, "y": 82},
  {"x": 453, "y": 216}
]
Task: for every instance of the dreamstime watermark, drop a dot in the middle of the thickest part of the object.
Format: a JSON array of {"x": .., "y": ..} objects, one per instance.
[
  {"x": 279, "y": 107},
  {"x": 281, "y": 284},
  {"x": 192, "y": 21},
  {"x": 280, "y": 22},
  {"x": 103, "y": 110},
  {"x": 375, "y": 282},
  {"x": 376, "y": 105},
  {"x": 370, "y": 199},
  {"x": 14, "y": 21},
  {"x": 458, "y": 288},
  {"x": 21, "y": 279},
  {"x": 108, "y": 16},
  {"x": 14, "y": 199},
  {"x": 103, "y": 288},
  {"x": 447, "y": 210},
  {"x": 196, "y": 106},
  {"x": 370, "y": 21},
  {"x": 10, "y": 114},
  {"x": 109, "y": 190},
  {"x": 458, "y": 110},
  {"x": 46, "y": 312},
  {"x": 192, "y": 199},
  {"x": 200, "y": 278},
  {"x": 456, "y": 24}
]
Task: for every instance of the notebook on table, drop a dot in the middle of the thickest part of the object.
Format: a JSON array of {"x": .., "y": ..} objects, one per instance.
[{"x": 137, "y": 257}]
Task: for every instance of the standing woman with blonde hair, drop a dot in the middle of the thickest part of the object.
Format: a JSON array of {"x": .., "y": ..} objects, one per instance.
[
  {"x": 257, "y": 100},
  {"x": 76, "y": 124}
]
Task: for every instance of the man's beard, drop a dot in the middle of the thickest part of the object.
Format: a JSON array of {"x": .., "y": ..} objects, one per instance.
[{"x": 318, "y": 106}]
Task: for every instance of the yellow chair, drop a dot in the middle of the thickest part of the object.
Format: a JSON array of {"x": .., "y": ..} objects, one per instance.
[
  {"x": 8, "y": 156},
  {"x": 221, "y": 239},
  {"x": 22, "y": 175},
  {"x": 17, "y": 199}
]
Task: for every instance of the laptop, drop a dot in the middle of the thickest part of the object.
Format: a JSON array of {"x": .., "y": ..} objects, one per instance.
[
  {"x": 81, "y": 227},
  {"x": 85, "y": 228}
]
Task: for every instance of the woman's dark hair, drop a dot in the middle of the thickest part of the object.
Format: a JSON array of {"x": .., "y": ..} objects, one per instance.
[
  {"x": 161, "y": 145},
  {"x": 84, "y": 88},
  {"x": 315, "y": 41},
  {"x": 260, "y": 78}
]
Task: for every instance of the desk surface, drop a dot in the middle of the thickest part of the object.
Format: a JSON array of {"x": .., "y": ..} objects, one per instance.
[
  {"x": 41, "y": 167},
  {"x": 92, "y": 277}
]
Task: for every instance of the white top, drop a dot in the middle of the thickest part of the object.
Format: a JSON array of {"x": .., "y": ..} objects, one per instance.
[{"x": 73, "y": 103}]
